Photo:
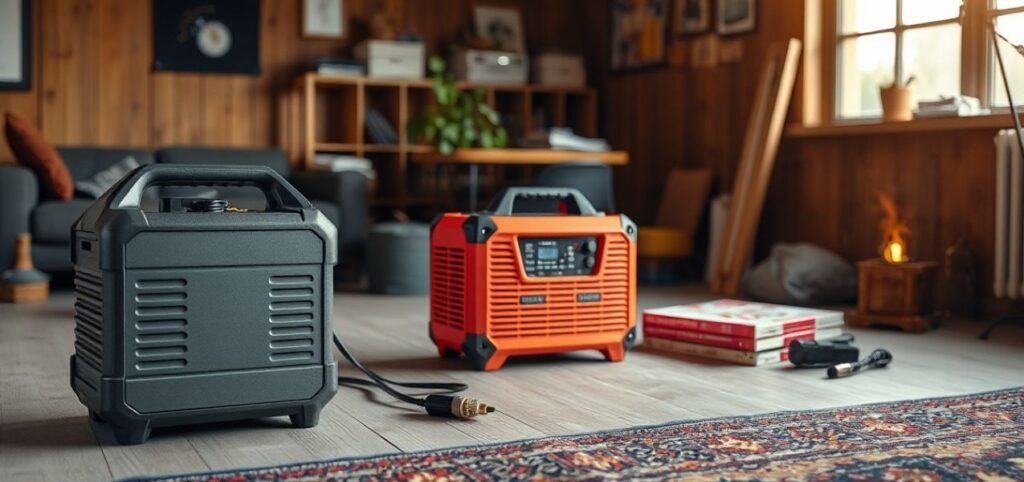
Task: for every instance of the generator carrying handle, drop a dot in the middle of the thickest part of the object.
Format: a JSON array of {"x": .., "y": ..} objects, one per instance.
[
  {"x": 504, "y": 204},
  {"x": 279, "y": 193}
]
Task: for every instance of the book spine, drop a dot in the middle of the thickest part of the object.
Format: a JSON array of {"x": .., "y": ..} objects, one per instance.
[
  {"x": 729, "y": 329},
  {"x": 732, "y": 342},
  {"x": 716, "y": 353},
  {"x": 799, "y": 325}
]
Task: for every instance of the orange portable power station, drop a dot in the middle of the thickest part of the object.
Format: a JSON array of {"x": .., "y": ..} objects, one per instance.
[{"x": 541, "y": 272}]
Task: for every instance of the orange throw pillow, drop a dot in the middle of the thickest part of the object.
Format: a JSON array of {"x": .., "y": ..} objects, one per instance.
[{"x": 31, "y": 149}]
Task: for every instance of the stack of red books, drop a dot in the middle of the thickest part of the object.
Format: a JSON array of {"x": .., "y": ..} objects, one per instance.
[{"x": 737, "y": 331}]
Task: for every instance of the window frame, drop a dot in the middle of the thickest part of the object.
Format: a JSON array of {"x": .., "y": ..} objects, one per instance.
[
  {"x": 976, "y": 59},
  {"x": 993, "y": 82}
]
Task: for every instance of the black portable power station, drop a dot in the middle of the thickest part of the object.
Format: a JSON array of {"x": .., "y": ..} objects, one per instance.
[{"x": 196, "y": 312}]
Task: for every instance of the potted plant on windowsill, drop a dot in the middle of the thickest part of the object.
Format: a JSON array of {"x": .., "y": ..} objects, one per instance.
[
  {"x": 898, "y": 101},
  {"x": 459, "y": 118}
]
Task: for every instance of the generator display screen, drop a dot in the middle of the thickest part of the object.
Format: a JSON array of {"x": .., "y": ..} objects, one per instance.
[
  {"x": 559, "y": 256},
  {"x": 547, "y": 253}
]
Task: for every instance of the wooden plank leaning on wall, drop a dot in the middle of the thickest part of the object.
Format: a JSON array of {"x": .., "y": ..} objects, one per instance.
[{"x": 760, "y": 145}]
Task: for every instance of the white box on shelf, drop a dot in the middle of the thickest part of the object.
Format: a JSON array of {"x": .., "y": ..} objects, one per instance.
[
  {"x": 559, "y": 69},
  {"x": 491, "y": 67},
  {"x": 392, "y": 60}
]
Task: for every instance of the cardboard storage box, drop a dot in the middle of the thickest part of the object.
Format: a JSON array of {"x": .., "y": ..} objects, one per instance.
[
  {"x": 491, "y": 67},
  {"x": 392, "y": 60},
  {"x": 560, "y": 69}
]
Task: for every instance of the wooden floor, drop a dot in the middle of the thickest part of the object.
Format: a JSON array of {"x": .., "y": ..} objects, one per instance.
[{"x": 45, "y": 433}]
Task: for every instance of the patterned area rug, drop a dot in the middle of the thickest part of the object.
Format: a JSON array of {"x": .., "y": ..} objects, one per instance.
[{"x": 976, "y": 436}]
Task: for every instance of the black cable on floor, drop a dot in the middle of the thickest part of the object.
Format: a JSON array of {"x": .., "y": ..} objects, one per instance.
[{"x": 440, "y": 402}]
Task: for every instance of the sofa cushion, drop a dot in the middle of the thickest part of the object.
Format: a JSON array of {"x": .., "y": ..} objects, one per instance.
[
  {"x": 85, "y": 162},
  {"x": 52, "y": 220},
  {"x": 95, "y": 186},
  {"x": 32, "y": 150},
  {"x": 272, "y": 158}
]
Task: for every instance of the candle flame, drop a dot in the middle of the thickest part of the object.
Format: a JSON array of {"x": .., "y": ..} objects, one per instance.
[{"x": 894, "y": 229}]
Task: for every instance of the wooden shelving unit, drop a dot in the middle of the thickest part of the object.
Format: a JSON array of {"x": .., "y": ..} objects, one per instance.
[
  {"x": 327, "y": 113},
  {"x": 519, "y": 157}
]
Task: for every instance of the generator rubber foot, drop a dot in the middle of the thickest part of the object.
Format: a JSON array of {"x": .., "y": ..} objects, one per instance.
[
  {"x": 481, "y": 352},
  {"x": 445, "y": 352},
  {"x": 495, "y": 362},
  {"x": 131, "y": 435},
  {"x": 614, "y": 353},
  {"x": 307, "y": 418}
]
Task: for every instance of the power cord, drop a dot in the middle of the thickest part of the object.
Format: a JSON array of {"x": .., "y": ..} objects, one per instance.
[
  {"x": 442, "y": 403},
  {"x": 879, "y": 358}
]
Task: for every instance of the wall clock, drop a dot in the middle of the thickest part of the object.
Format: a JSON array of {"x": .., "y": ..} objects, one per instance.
[{"x": 215, "y": 36}]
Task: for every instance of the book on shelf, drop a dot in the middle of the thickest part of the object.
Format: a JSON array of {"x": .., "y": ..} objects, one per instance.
[
  {"x": 340, "y": 66},
  {"x": 742, "y": 318},
  {"x": 738, "y": 343},
  {"x": 343, "y": 162},
  {"x": 379, "y": 130},
  {"x": 751, "y": 358},
  {"x": 564, "y": 138}
]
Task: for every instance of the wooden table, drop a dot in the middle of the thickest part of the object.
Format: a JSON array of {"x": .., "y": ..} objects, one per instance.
[{"x": 514, "y": 157}]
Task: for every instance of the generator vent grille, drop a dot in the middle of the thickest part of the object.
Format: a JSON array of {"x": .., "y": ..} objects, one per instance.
[
  {"x": 161, "y": 323},
  {"x": 89, "y": 320},
  {"x": 447, "y": 281},
  {"x": 292, "y": 318},
  {"x": 561, "y": 313}
]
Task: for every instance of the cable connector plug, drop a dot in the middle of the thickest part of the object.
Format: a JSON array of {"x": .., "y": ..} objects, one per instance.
[{"x": 455, "y": 406}]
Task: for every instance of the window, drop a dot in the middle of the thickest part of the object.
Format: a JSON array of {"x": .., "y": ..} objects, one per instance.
[
  {"x": 944, "y": 45},
  {"x": 880, "y": 41},
  {"x": 1009, "y": 20}
]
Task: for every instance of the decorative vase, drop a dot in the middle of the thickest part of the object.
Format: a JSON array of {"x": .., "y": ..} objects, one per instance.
[{"x": 897, "y": 103}]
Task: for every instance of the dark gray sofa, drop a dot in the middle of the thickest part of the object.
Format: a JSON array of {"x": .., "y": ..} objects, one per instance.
[{"x": 341, "y": 196}]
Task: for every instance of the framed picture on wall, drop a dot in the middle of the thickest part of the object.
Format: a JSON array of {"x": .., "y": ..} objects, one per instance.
[
  {"x": 501, "y": 26},
  {"x": 691, "y": 17},
  {"x": 735, "y": 16},
  {"x": 323, "y": 19},
  {"x": 212, "y": 36},
  {"x": 638, "y": 32},
  {"x": 15, "y": 44}
]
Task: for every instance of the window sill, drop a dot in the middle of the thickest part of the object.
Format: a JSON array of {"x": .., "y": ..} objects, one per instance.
[{"x": 873, "y": 127}]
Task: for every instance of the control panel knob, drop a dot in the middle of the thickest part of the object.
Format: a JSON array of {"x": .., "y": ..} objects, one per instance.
[
  {"x": 588, "y": 247},
  {"x": 589, "y": 262}
]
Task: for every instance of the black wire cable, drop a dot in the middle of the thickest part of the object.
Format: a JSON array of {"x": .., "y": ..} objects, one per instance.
[{"x": 385, "y": 384}]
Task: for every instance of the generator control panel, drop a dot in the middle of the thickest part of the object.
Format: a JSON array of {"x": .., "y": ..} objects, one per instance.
[{"x": 559, "y": 256}]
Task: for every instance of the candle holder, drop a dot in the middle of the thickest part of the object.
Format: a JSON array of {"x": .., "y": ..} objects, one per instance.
[{"x": 895, "y": 294}]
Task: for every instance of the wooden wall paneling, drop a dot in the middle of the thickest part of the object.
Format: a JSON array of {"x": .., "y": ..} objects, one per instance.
[
  {"x": 244, "y": 116},
  {"x": 163, "y": 108},
  {"x": 966, "y": 199},
  {"x": 124, "y": 60},
  {"x": 184, "y": 97},
  {"x": 916, "y": 171},
  {"x": 618, "y": 107},
  {"x": 214, "y": 95},
  {"x": 69, "y": 104},
  {"x": 866, "y": 169}
]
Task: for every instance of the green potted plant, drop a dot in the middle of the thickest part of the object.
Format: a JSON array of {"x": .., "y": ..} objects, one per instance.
[{"x": 459, "y": 118}]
